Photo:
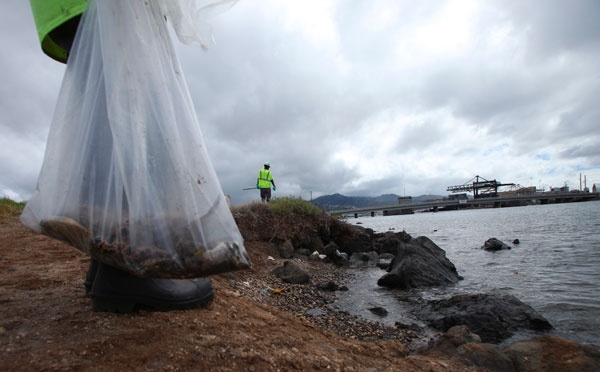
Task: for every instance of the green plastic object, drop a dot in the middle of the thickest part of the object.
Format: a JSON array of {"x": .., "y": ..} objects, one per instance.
[{"x": 50, "y": 18}]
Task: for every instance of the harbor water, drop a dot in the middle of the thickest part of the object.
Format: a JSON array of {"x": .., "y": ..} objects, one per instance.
[{"x": 555, "y": 268}]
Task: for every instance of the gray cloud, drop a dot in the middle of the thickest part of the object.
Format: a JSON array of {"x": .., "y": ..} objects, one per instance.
[{"x": 362, "y": 97}]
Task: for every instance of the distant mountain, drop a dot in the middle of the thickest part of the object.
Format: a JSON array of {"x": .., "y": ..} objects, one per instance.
[{"x": 338, "y": 201}]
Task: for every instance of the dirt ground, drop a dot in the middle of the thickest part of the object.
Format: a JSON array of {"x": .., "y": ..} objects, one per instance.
[{"x": 46, "y": 323}]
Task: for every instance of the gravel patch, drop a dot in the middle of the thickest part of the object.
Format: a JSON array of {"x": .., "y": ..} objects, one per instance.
[{"x": 310, "y": 302}]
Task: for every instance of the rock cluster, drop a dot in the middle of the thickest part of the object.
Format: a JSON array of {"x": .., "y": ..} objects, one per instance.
[
  {"x": 544, "y": 353},
  {"x": 493, "y": 317},
  {"x": 410, "y": 263}
]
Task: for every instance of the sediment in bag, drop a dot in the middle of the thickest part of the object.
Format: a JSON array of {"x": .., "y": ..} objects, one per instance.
[
  {"x": 184, "y": 258},
  {"x": 67, "y": 230}
]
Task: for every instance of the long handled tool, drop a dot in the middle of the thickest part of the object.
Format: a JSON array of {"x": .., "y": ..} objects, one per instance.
[{"x": 250, "y": 188}]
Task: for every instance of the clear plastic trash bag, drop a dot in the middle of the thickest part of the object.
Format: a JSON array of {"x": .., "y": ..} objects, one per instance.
[{"x": 126, "y": 176}]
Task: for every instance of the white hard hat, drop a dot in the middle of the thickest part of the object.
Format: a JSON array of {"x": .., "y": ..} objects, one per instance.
[{"x": 267, "y": 164}]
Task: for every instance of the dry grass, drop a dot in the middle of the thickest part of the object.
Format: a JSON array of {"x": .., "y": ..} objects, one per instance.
[
  {"x": 10, "y": 208},
  {"x": 288, "y": 219}
]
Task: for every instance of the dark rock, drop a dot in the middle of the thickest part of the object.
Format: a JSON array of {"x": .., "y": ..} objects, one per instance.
[
  {"x": 291, "y": 273},
  {"x": 412, "y": 326},
  {"x": 324, "y": 233},
  {"x": 361, "y": 242},
  {"x": 340, "y": 259},
  {"x": 516, "y": 241},
  {"x": 493, "y": 317},
  {"x": 316, "y": 244},
  {"x": 329, "y": 286},
  {"x": 379, "y": 311},
  {"x": 303, "y": 252},
  {"x": 286, "y": 249},
  {"x": 362, "y": 259},
  {"x": 310, "y": 241},
  {"x": 389, "y": 242},
  {"x": 419, "y": 263},
  {"x": 330, "y": 249},
  {"x": 493, "y": 244},
  {"x": 384, "y": 261}
]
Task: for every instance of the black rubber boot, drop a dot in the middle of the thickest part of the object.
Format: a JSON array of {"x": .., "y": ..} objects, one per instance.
[
  {"x": 117, "y": 291},
  {"x": 89, "y": 277}
]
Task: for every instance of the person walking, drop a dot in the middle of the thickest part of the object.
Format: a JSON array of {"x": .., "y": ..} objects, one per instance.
[{"x": 264, "y": 182}]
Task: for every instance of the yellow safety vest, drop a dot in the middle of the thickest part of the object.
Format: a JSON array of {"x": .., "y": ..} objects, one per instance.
[{"x": 264, "y": 179}]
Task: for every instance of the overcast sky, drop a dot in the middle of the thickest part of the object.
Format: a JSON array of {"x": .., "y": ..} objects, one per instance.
[{"x": 359, "y": 97}]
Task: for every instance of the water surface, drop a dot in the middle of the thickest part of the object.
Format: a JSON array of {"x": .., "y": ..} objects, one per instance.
[{"x": 555, "y": 268}]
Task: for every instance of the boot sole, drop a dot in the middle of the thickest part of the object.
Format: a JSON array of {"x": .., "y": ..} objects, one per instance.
[{"x": 130, "y": 305}]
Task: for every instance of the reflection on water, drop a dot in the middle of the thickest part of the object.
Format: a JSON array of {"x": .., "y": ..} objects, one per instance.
[{"x": 555, "y": 268}]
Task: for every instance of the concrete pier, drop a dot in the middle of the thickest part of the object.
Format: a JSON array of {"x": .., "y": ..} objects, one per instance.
[{"x": 501, "y": 201}]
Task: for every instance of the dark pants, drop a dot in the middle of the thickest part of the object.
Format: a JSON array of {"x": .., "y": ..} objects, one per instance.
[{"x": 265, "y": 194}]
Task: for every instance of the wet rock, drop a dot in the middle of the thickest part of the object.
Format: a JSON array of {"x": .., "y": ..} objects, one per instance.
[
  {"x": 384, "y": 261},
  {"x": 419, "y": 263},
  {"x": 331, "y": 287},
  {"x": 516, "y": 241},
  {"x": 379, "y": 311},
  {"x": 410, "y": 327},
  {"x": 493, "y": 244},
  {"x": 291, "y": 273},
  {"x": 363, "y": 259},
  {"x": 493, "y": 317},
  {"x": 340, "y": 259}
]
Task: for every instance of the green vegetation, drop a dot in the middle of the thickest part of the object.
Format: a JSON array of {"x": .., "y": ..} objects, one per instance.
[
  {"x": 294, "y": 205},
  {"x": 10, "y": 208},
  {"x": 287, "y": 218}
]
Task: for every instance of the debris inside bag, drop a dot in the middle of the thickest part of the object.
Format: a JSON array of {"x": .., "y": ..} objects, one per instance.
[{"x": 183, "y": 257}]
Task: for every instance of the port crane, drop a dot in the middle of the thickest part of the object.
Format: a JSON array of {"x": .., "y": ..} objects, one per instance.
[{"x": 480, "y": 187}]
